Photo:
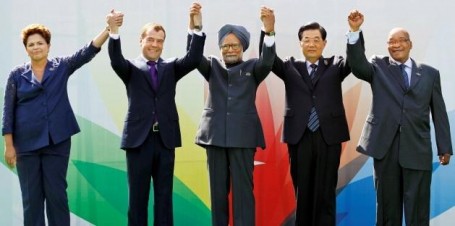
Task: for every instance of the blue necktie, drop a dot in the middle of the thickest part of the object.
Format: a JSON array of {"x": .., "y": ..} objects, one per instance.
[
  {"x": 405, "y": 75},
  {"x": 154, "y": 74},
  {"x": 313, "y": 122}
]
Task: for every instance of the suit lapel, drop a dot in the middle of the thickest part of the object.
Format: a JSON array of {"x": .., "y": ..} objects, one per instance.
[
  {"x": 160, "y": 73},
  {"x": 415, "y": 74},
  {"x": 396, "y": 73},
  {"x": 303, "y": 71},
  {"x": 27, "y": 75},
  {"x": 322, "y": 66},
  {"x": 48, "y": 73},
  {"x": 142, "y": 65}
]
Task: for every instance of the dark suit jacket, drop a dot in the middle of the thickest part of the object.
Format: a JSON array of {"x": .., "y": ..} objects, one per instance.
[
  {"x": 302, "y": 94},
  {"x": 36, "y": 112},
  {"x": 143, "y": 103},
  {"x": 396, "y": 109},
  {"x": 230, "y": 117}
]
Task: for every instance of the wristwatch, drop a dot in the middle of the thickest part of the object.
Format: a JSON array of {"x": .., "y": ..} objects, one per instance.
[
  {"x": 272, "y": 33},
  {"x": 198, "y": 27}
]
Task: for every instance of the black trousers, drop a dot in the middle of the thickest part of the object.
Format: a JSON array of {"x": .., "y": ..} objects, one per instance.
[
  {"x": 314, "y": 171},
  {"x": 149, "y": 161},
  {"x": 399, "y": 189},
  {"x": 231, "y": 167}
]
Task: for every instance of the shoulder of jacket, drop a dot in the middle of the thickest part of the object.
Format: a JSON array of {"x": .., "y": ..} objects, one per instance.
[
  {"x": 169, "y": 60},
  {"x": 291, "y": 59}
]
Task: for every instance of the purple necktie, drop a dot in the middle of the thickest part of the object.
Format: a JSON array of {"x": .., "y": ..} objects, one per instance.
[{"x": 154, "y": 74}]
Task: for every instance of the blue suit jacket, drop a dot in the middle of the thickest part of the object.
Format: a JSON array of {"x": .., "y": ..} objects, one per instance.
[
  {"x": 143, "y": 103},
  {"x": 38, "y": 113},
  {"x": 395, "y": 108}
]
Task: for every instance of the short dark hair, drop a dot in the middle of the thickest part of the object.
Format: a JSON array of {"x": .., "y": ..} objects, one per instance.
[
  {"x": 152, "y": 26},
  {"x": 36, "y": 29},
  {"x": 312, "y": 26}
]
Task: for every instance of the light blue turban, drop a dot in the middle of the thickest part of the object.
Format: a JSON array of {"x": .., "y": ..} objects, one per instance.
[{"x": 239, "y": 31}]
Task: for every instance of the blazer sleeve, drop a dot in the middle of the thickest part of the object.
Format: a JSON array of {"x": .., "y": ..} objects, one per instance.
[
  {"x": 81, "y": 57},
  {"x": 360, "y": 66},
  {"x": 440, "y": 119},
  {"x": 278, "y": 67},
  {"x": 264, "y": 64},
  {"x": 343, "y": 67},
  {"x": 205, "y": 67},
  {"x": 119, "y": 64},
  {"x": 9, "y": 105},
  {"x": 193, "y": 56}
]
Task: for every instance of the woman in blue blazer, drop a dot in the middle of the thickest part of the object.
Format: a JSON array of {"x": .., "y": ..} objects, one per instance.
[{"x": 38, "y": 123}]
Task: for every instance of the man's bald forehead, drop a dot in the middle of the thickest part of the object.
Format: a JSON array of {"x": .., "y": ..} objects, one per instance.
[{"x": 397, "y": 31}]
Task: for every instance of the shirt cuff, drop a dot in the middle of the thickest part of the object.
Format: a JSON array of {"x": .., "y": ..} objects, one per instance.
[
  {"x": 197, "y": 32},
  {"x": 114, "y": 36},
  {"x": 269, "y": 40},
  {"x": 353, "y": 36}
]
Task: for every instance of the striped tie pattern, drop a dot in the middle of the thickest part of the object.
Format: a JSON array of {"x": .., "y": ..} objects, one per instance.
[{"x": 313, "y": 122}]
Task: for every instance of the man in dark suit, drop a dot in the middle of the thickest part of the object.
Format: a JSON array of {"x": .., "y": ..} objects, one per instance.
[
  {"x": 151, "y": 132},
  {"x": 230, "y": 128},
  {"x": 315, "y": 124},
  {"x": 397, "y": 130}
]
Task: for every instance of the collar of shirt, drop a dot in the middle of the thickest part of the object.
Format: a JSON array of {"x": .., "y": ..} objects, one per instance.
[
  {"x": 145, "y": 60},
  {"x": 308, "y": 66},
  {"x": 408, "y": 67}
]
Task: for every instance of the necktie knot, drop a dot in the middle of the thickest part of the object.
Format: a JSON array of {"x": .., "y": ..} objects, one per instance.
[
  {"x": 313, "y": 70},
  {"x": 403, "y": 67},
  {"x": 151, "y": 63}
]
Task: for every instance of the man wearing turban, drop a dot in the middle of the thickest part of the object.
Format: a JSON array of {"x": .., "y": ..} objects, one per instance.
[{"x": 230, "y": 129}]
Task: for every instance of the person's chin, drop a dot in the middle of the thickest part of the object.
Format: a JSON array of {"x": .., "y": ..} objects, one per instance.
[{"x": 231, "y": 60}]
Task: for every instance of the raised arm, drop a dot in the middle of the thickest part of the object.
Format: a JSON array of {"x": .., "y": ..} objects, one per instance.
[
  {"x": 265, "y": 62},
  {"x": 101, "y": 38},
  {"x": 120, "y": 65},
  {"x": 195, "y": 25},
  {"x": 195, "y": 43},
  {"x": 267, "y": 16},
  {"x": 360, "y": 66}
]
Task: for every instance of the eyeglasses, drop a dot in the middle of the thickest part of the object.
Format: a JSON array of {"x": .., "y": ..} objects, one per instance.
[
  {"x": 315, "y": 41},
  {"x": 234, "y": 46},
  {"x": 397, "y": 42}
]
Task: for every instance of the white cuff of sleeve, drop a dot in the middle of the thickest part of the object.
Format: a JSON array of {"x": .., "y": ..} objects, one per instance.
[
  {"x": 353, "y": 36},
  {"x": 197, "y": 32},
  {"x": 269, "y": 40},
  {"x": 114, "y": 36}
]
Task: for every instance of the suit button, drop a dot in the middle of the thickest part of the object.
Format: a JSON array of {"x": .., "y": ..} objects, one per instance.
[
  {"x": 153, "y": 112},
  {"x": 228, "y": 113},
  {"x": 229, "y": 98},
  {"x": 314, "y": 97},
  {"x": 156, "y": 98}
]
